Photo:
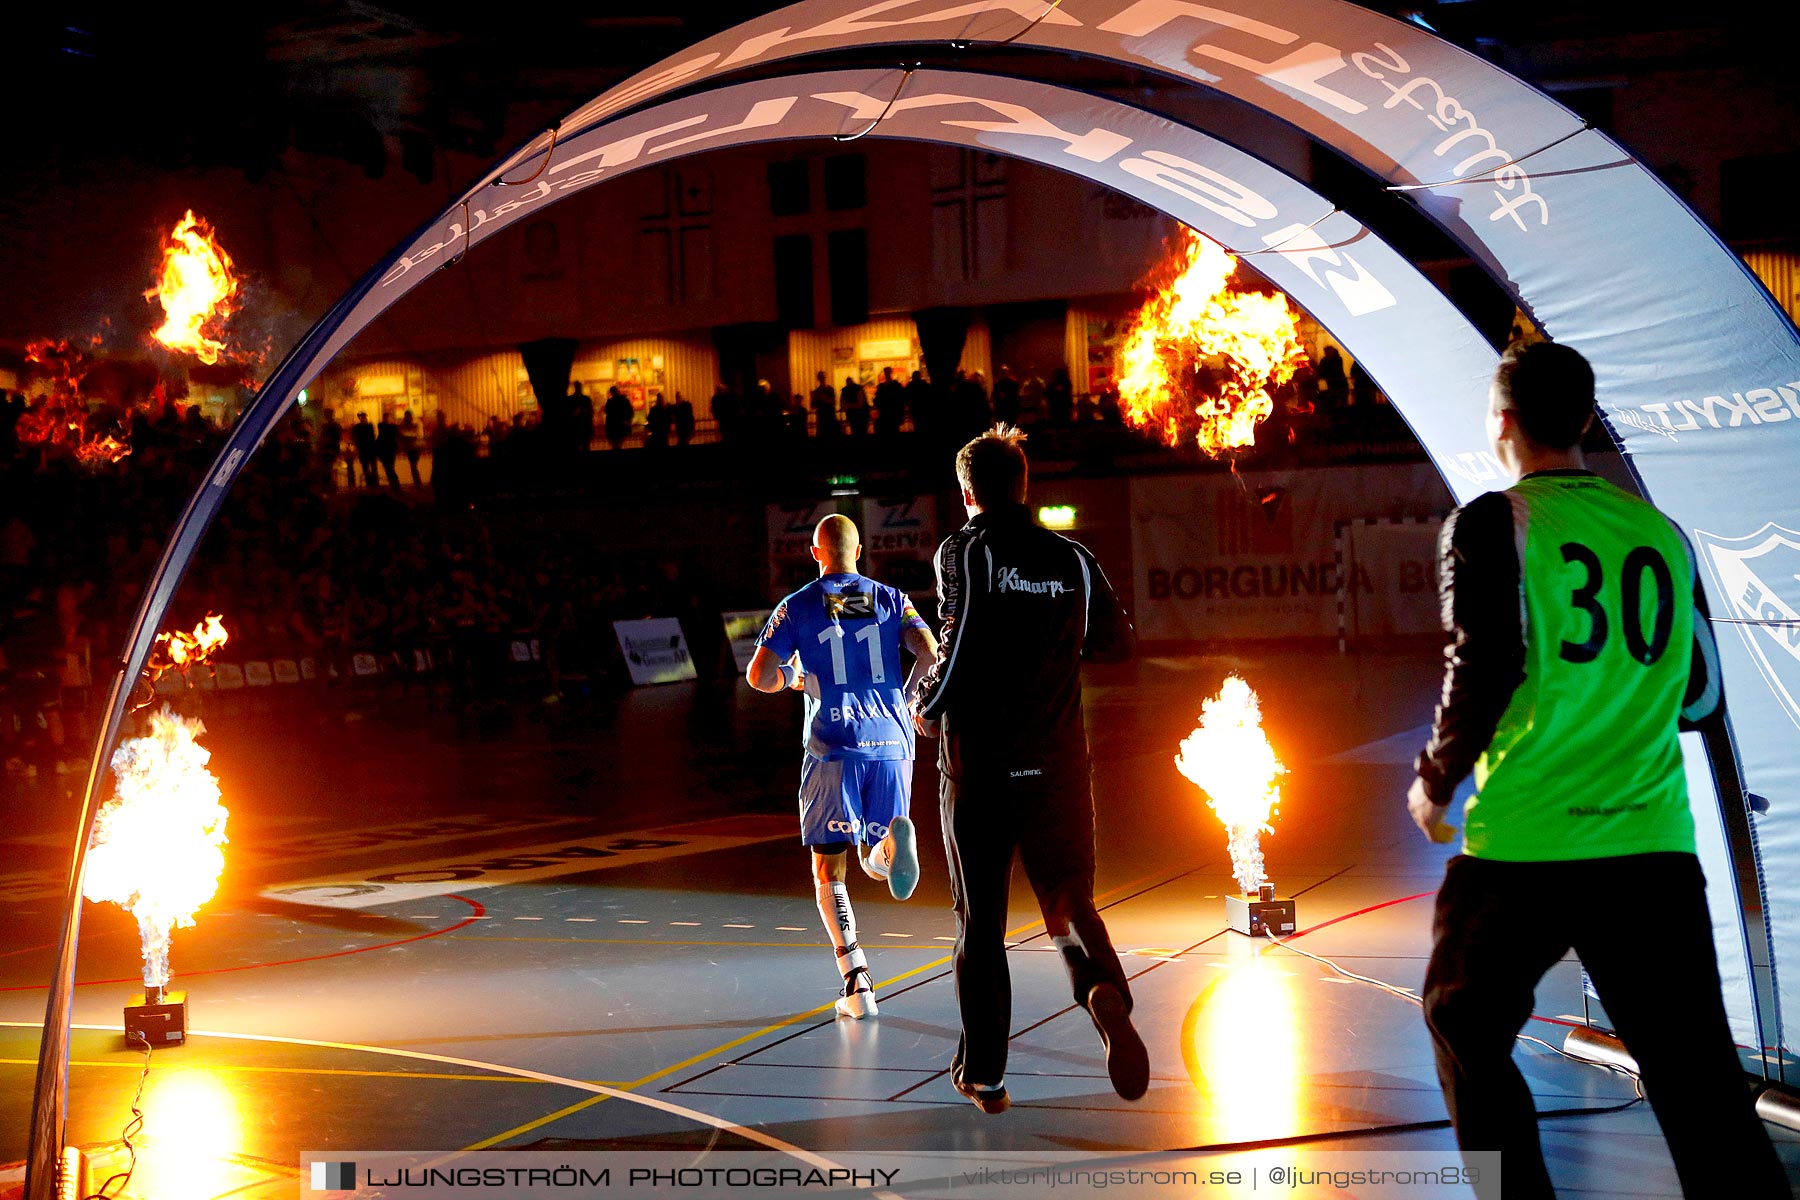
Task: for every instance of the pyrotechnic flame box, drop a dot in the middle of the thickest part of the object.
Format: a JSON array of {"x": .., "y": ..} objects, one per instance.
[
  {"x": 1254, "y": 915},
  {"x": 159, "y": 1020}
]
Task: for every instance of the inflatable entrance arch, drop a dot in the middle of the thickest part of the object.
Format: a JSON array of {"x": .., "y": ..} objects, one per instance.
[{"x": 1697, "y": 383}]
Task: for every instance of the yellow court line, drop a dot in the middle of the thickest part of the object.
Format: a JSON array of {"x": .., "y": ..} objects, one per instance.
[
  {"x": 138, "y": 1065},
  {"x": 560, "y": 1113},
  {"x": 699, "y": 1117}
]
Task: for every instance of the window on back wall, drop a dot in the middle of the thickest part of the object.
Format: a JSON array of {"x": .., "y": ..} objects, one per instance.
[
  {"x": 794, "y": 280},
  {"x": 789, "y": 191},
  {"x": 675, "y": 235},
  {"x": 968, "y": 214},
  {"x": 844, "y": 182}
]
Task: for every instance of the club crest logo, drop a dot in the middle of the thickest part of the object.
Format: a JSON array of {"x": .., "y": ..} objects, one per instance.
[{"x": 1759, "y": 576}]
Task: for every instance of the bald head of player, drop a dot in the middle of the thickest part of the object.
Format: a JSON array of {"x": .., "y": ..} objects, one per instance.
[{"x": 836, "y": 545}]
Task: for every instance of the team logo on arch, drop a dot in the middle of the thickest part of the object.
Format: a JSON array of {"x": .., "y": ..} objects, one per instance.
[{"x": 1759, "y": 576}]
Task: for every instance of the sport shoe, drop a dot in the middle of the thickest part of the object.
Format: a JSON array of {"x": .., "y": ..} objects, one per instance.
[
  {"x": 858, "y": 1000},
  {"x": 1127, "y": 1062},
  {"x": 989, "y": 1098},
  {"x": 903, "y": 861},
  {"x": 877, "y": 859}
]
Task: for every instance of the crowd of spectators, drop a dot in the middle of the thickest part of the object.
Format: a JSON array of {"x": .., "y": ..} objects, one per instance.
[
  {"x": 948, "y": 414},
  {"x": 1326, "y": 401}
]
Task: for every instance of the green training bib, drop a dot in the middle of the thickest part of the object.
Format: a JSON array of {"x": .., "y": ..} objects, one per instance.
[{"x": 1585, "y": 762}]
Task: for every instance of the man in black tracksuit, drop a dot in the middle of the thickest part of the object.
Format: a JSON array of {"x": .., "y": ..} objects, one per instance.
[{"x": 1021, "y": 607}]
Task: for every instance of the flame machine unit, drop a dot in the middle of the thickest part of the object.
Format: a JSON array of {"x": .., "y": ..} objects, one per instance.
[
  {"x": 157, "y": 1018},
  {"x": 1260, "y": 914}
]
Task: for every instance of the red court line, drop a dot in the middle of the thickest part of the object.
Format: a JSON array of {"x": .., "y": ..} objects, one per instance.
[
  {"x": 1360, "y": 912},
  {"x": 477, "y": 914}
]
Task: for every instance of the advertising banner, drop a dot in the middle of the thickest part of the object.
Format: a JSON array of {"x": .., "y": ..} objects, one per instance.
[
  {"x": 790, "y": 526},
  {"x": 1395, "y": 566},
  {"x": 1254, "y": 555},
  {"x": 741, "y": 629},
  {"x": 899, "y": 537},
  {"x": 655, "y": 650}
]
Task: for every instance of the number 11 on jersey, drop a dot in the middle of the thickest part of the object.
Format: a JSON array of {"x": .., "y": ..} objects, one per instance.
[{"x": 833, "y": 637}]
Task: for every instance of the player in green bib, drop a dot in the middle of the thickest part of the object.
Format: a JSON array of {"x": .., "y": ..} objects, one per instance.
[{"x": 1579, "y": 648}]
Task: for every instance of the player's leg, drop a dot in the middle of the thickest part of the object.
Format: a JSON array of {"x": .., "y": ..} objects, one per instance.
[
  {"x": 1497, "y": 928},
  {"x": 890, "y": 847},
  {"x": 1056, "y": 844},
  {"x": 828, "y": 826},
  {"x": 979, "y": 846},
  {"x": 830, "y": 868},
  {"x": 873, "y": 853},
  {"x": 1648, "y": 946}
]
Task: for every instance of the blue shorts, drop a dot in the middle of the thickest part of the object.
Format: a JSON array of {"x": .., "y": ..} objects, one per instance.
[{"x": 852, "y": 799}]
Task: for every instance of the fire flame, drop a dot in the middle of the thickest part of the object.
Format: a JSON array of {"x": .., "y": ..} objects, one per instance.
[
  {"x": 181, "y": 649},
  {"x": 198, "y": 290},
  {"x": 105, "y": 448},
  {"x": 61, "y": 415},
  {"x": 1199, "y": 358},
  {"x": 1230, "y": 759},
  {"x": 157, "y": 845}
]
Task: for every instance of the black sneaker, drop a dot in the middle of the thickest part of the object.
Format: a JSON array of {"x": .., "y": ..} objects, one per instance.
[
  {"x": 989, "y": 1099},
  {"x": 1127, "y": 1062}
]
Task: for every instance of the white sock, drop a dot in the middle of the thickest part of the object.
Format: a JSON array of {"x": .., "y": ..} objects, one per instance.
[{"x": 840, "y": 923}]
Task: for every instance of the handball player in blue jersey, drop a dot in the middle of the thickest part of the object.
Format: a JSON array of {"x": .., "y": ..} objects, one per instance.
[{"x": 838, "y": 639}]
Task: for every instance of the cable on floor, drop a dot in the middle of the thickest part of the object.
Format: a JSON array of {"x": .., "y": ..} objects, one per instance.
[{"x": 132, "y": 1127}]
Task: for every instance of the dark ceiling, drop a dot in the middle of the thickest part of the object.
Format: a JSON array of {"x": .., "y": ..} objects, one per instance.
[{"x": 236, "y": 88}]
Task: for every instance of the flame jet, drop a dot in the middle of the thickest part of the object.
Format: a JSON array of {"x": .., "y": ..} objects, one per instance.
[
  {"x": 198, "y": 290},
  {"x": 157, "y": 848},
  {"x": 1230, "y": 759},
  {"x": 1199, "y": 358}
]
